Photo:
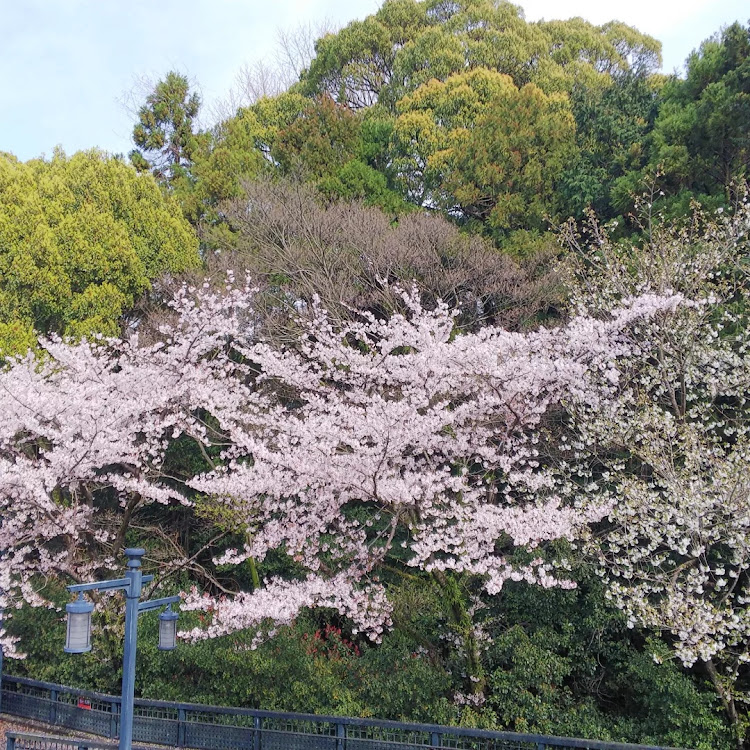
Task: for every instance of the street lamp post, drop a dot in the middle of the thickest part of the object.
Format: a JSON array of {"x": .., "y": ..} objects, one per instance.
[{"x": 78, "y": 638}]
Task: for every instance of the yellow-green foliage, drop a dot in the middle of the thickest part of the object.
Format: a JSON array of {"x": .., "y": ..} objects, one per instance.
[
  {"x": 237, "y": 149},
  {"x": 478, "y": 144},
  {"x": 80, "y": 239}
]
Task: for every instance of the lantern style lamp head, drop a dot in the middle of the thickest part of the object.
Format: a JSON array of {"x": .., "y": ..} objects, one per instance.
[
  {"x": 167, "y": 629},
  {"x": 78, "y": 640}
]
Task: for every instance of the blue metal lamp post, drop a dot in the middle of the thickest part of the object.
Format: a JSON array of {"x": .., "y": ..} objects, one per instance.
[{"x": 78, "y": 639}]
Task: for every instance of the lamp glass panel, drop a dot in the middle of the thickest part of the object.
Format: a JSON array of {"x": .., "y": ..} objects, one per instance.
[
  {"x": 167, "y": 633},
  {"x": 79, "y": 632}
]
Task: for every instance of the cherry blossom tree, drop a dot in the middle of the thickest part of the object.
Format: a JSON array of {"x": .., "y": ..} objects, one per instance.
[
  {"x": 673, "y": 443},
  {"x": 83, "y": 438},
  {"x": 376, "y": 438},
  {"x": 430, "y": 437}
]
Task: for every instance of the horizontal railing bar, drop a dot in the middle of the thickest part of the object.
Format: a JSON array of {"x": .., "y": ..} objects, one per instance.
[
  {"x": 73, "y": 741},
  {"x": 551, "y": 740},
  {"x": 59, "y": 688}
]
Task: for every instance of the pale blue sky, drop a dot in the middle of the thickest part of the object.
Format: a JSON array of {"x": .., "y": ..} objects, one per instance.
[{"x": 65, "y": 65}]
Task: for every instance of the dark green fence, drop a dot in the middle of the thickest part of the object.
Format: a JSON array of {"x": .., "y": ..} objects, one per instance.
[{"x": 192, "y": 725}]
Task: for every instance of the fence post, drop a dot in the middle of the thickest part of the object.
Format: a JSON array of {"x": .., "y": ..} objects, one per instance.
[
  {"x": 258, "y": 726},
  {"x": 53, "y": 707},
  {"x": 113, "y": 719},
  {"x": 10, "y": 741},
  {"x": 340, "y": 736},
  {"x": 435, "y": 739},
  {"x": 181, "y": 727}
]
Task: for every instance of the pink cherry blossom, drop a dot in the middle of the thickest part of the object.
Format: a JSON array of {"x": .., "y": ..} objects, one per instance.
[{"x": 433, "y": 437}]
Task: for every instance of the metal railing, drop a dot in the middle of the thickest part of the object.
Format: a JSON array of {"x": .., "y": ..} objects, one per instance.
[
  {"x": 29, "y": 741},
  {"x": 202, "y": 727}
]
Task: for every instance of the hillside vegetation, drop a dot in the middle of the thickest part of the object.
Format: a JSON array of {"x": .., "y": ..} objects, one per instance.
[{"x": 423, "y": 374}]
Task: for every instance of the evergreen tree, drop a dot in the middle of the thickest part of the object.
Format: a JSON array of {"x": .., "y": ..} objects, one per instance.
[{"x": 164, "y": 134}]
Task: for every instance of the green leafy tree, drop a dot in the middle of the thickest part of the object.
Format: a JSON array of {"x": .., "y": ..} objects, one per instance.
[
  {"x": 323, "y": 138},
  {"x": 407, "y": 43},
  {"x": 164, "y": 135},
  {"x": 356, "y": 65},
  {"x": 484, "y": 149},
  {"x": 702, "y": 134},
  {"x": 581, "y": 50},
  {"x": 504, "y": 171},
  {"x": 236, "y": 150},
  {"x": 613, "y": 126},
  {"x": 81, "y": 238},
  {"x": 565, "y": 663},
  {"x": 338, "y": 150}
]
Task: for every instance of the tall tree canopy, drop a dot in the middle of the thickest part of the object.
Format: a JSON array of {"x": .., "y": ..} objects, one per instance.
[
  {"x": 408, "y": 42},
  {"x": 357, "y": 122}
]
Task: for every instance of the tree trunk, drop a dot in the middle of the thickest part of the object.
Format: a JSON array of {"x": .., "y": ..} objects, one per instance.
[
  {"x": 461, "y": 620},
  {"x": 119, "y": 541},
  {"x": 727, "y": 701}
]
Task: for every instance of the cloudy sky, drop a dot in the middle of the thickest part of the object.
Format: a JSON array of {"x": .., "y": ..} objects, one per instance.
[{"x": 67, "y": 66}]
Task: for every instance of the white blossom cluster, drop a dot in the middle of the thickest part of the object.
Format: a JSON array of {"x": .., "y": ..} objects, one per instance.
[{"x": 672, "y": 443}]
